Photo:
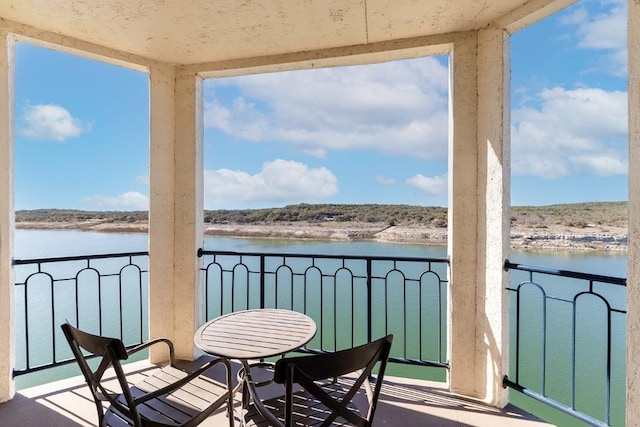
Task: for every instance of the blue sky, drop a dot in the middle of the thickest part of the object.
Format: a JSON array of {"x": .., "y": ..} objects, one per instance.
[{"x": 365, "y": 134}]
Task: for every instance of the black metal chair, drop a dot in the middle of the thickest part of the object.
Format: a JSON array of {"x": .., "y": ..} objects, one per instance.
[
  {"x": 169, "y": 397},
  {"x": 319, "y": 391}
]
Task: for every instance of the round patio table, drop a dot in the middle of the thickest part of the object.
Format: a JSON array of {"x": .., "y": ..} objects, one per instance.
[{"x": 255, "y": 334}]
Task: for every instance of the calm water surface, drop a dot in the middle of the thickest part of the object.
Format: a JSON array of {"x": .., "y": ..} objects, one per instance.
[{"x": 50, "y": 243}]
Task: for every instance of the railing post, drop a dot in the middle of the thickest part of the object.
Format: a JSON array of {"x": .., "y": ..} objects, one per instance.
[
  {"x": 262, "y": 263},
  {"x": 369, "y": 299}
]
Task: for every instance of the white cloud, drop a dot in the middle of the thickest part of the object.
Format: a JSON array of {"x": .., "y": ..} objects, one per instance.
[
  {"x": 604, "y": 30},
  {"x": 130, "y": 201},
  {"x": 279, "y": 182},
  {"x": 436, "y": 185},
  {"x": 602, "y": 165},
  {"x": 50, "y": 122},
  {"x": 241, "y": 119},
  {"x": 143, "y": 179},
  {"x": 582, "y": 130},
  {"x": 576, "y": 17},
  {"x": 396, "y": 107},
  {"x": 384, "y": 180}
]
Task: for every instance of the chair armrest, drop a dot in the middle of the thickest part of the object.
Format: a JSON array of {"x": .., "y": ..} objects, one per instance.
[
  {"x": 172, "y": 358},
  {"x": 271, "y": 419},
  {"x": 190, "y": 376}
]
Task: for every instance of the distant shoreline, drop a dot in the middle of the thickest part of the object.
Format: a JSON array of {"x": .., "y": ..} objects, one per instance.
[{"x": 556, "y": 239}]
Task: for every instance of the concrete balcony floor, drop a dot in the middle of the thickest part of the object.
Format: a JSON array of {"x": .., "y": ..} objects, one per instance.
[{"x": 403, "y": 402}]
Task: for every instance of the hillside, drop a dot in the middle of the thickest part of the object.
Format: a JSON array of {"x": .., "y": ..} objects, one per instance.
[
  {"x": 597, "y": 225},
  {"x": 580, "y": 215}
]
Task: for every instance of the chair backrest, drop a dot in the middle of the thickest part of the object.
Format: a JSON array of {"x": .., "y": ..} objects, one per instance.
[
  {"x": 111, "y": 351},
  {"x": 306, "y": 370}
]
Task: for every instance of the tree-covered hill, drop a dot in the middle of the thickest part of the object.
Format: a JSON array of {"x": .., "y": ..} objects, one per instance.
[
  {"x": 389, "y": 214},
  {"x": 612, "y": 214},
  {"x": 72, "y": 215}
]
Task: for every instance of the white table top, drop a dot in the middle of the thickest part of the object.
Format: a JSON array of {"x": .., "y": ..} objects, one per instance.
[{"x": 255, "y": 334}]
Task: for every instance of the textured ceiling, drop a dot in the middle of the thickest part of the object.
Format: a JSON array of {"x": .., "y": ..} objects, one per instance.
[{"x": 199, "y": 31}]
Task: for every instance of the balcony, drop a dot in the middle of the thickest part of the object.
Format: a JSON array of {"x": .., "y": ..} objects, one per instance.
[
  {"x": 67, "y": 403},
  {"x": 352, "y": 299},
  {"x": 476, "y": 37}
]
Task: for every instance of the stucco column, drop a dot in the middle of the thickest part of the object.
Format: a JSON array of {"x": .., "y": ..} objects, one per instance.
[
  {"x": 189, "y": 205},
  {"x": 494, "y": 159},
  {"x": 633, "y": 267},
  {"x": 176, "y": 208},
  {"x": 7, "y": 337},
  {"x": 463, "y": 214},
  {"x": 478, "y": 216},
  {"x": 161, "y": 205}
]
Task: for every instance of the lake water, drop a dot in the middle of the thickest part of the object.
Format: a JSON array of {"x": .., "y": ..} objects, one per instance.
[
  {"x": 48, "y": 243},
  {"x": 54, "y": 243}
]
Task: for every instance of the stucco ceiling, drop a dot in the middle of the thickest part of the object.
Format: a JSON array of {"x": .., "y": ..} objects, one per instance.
[{"x": 198, "y": 31}]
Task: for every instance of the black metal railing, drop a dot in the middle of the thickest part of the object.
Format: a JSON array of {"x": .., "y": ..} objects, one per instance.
[
  {"x": 353, "y": 299},
  {"x": 99, "y": 293},
  {"x": 567, "y": 328},
  {"x": 568, "y": 341}
]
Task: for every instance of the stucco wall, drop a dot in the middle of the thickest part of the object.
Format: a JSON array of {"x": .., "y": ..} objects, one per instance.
[
  {"x": 633, "y": 269},
  {"x": 7, "y": 339}
]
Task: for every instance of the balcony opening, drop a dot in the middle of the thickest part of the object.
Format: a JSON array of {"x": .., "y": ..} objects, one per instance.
[
  {"x": 569, "y": 190},
  {"x": 329, "y": 161},
  {"x": 81, "y": 144}
]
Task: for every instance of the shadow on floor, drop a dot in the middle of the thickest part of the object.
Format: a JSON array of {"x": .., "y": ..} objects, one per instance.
[{"x": 403, "y": 402}]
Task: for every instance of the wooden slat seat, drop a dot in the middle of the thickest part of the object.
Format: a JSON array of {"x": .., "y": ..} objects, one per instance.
[{"x": 169, "y": 397}]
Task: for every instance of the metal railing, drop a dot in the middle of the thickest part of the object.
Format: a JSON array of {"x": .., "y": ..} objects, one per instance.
[
  {"x": 568, "y": 341},
  {"x": 567, "y": 327},
  {"x": 100, "y": 293},
  {"x": 353, "y": 299}
]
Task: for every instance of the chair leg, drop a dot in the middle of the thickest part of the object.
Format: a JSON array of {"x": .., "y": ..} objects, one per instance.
[
  {"x": 230, "y": 412},
  {"x": 232, "y": 393},
  {"x": 245, "y": 397}
]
